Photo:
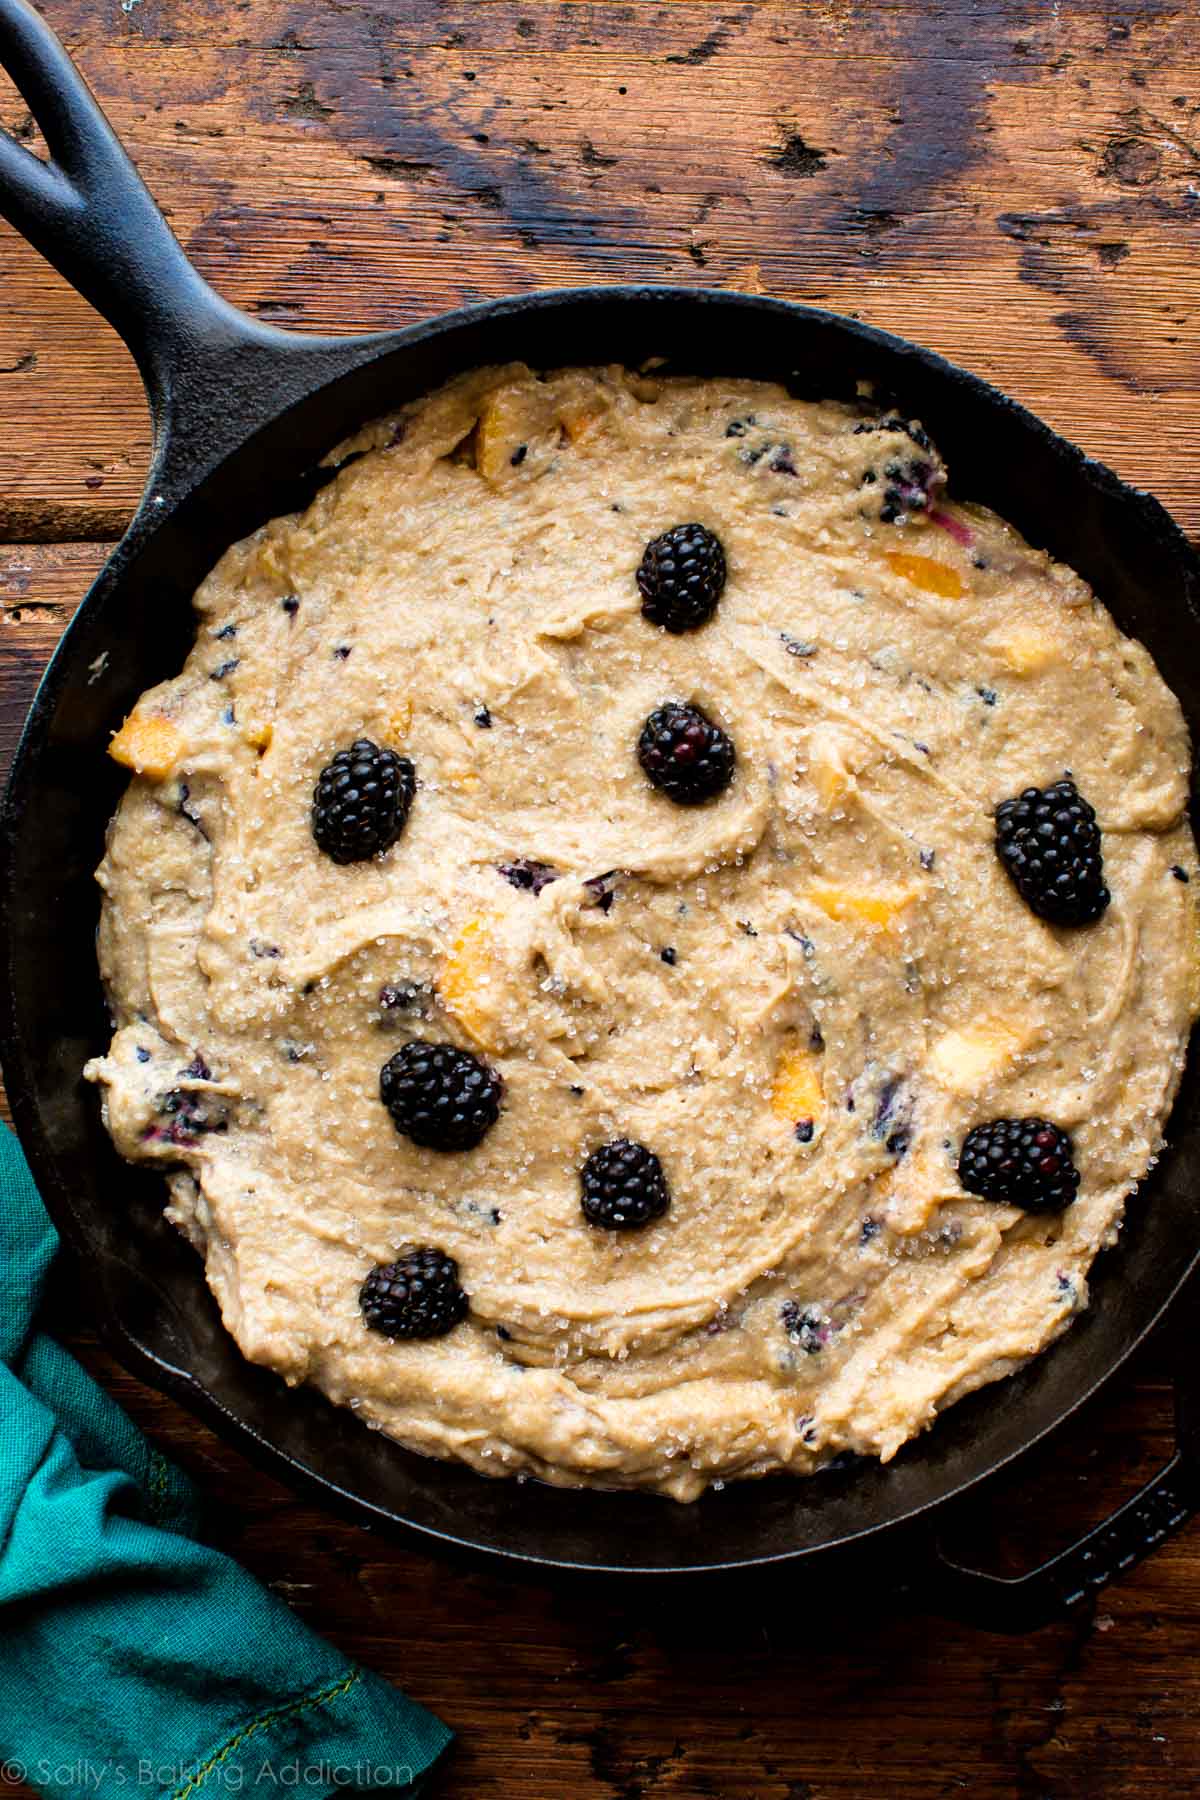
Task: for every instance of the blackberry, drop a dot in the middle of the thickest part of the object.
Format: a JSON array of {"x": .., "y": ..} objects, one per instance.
[
  {"x": 1049, "y": 842},
  {"x": 417, "y": 1296},
  {"x": 623, "y": 1186},
  {"x": 685, "y": 754},
  {"x": 681, "y": 577},
  {"x": 1023, "y": 1162},
  {"x": 361, "y": 802},
  {"x": 441, "y": 1097}
]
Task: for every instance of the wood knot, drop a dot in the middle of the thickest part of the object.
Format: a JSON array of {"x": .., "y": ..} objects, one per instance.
[{"x": 1131, "y": 161}]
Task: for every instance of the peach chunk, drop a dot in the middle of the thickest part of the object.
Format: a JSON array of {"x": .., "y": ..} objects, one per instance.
[
  {"x": 148, "y": 744},
  {"x": 511, "y": 417},
  {"x": 1025, "y": 649},
  {"x": 468, "y": 984},
  {"x": 868, "y": 906},
  {"x": 399, "y": 723},
  {"x": 964, "y": 1060},
  {"x": 926, "y": 573},
  {"x": 797, "y": 1094}
]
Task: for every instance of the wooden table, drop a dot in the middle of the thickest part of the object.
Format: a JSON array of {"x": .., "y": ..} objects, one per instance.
[{"x": 1015, "y": 183}]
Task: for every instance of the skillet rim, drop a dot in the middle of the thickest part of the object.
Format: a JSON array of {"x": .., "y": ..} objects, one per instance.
[{"x": 157, "y": 511}]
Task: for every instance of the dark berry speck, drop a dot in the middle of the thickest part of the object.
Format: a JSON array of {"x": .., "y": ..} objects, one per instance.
[
  {"x": 527, "y": 875},
  {"x": 893, "y": 422},
  {"x": 804, "y": 1326},
  {"x": 1179, "y": 872},
  {"x": 188, "y": 1116},
  {"x": 404, "y": 997},
  {"x": 602, "y": 889}
]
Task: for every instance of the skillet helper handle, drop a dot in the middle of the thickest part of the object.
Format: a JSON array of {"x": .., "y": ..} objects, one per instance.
[
  {"x": 208, "y": 368},
  {"x": 1065, "y": 1581}
]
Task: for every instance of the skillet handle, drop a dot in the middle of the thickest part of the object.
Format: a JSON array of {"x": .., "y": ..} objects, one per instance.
[
  {"x": 1065, "y": 1581},
  {"x": 89, "y": 214}
]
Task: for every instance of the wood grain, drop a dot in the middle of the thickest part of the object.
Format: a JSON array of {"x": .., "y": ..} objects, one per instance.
[
  {"x": 1016, "y": 184},
  {"x": 1012, "y": 183}
]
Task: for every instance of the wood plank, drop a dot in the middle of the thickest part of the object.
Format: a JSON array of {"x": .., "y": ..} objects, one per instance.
[
  {"x": 40, "y": 587},
  {"x": 1014, "y": 186}
]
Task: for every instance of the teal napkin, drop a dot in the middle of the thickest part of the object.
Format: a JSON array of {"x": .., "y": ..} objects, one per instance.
[{"x": 134, "y": 1658}]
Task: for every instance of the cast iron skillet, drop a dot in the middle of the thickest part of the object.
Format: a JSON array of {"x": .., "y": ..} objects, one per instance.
[{"x": 241, "y": 414}]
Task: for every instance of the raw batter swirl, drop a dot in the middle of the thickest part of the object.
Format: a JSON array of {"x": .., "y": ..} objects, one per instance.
[{"x": 801, "y": 994}]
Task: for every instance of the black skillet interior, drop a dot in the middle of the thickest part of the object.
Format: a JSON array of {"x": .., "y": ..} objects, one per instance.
[{"x": 262, "y": 408}]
